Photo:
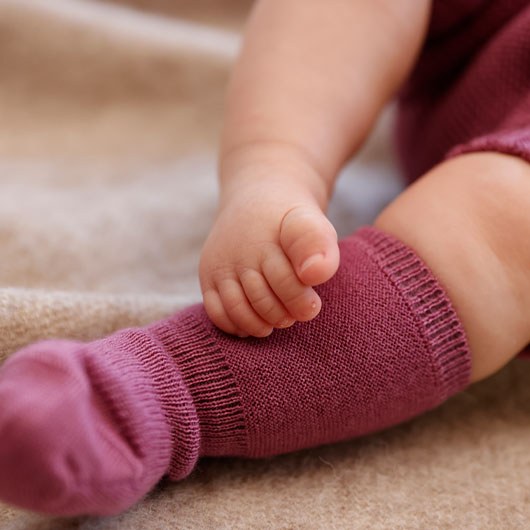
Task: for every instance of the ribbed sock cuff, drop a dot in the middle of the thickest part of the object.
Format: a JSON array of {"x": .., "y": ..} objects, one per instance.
[
  {"x": 514, "y": 141},
  {"x": 233, "y": 395},
  {"x": 435, "y": 315},
  {"x": 217, "y": 409}
]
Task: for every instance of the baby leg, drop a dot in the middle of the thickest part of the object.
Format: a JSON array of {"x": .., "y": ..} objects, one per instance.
[
  {"x": 468, "y": 219},
  {"x": 90, "y": 428}
]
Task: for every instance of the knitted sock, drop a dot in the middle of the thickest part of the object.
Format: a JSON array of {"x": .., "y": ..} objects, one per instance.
[{"x": 90, "y": 428}]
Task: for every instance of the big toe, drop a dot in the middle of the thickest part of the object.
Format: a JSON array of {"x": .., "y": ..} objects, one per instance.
[
  {"x": 310, "y": 242},
  {"x": 64, "y": 449}
]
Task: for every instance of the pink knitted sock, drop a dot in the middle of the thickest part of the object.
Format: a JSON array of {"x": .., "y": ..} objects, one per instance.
[{"x": 90, "y": 428}]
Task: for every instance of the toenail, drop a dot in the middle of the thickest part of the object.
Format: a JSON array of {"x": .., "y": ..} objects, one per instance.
[
  {"x": 309, "y": 261},
  {"x": 286, "y": 322},
  {"x": 311, "y": 309}
]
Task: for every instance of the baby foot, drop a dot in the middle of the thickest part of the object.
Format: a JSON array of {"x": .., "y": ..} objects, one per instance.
[
  {"x": 270, "y": 244},
  {"x": 81, "y": 427}
]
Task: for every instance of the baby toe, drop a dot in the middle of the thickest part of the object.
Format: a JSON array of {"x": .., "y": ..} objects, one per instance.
[
  {"x": 240, "y": 311},
  {"x": 300, "y": 301},
  {"x": 310, "y": 242},
  {"x": 263, "y": 299},
  {"x": 216, "y": 312}
]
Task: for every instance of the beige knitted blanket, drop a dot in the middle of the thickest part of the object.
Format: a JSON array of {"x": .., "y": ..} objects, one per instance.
[{"x": 109, "y": 117}]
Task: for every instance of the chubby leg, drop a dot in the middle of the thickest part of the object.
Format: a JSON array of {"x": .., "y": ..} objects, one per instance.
[
  {"x": 90, "y": 428},
  {"x": 468, "y": 218},
  {"x": 298, "y": 105}
]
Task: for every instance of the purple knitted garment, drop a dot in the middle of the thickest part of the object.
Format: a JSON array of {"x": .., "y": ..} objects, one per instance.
[
  {"x": 470, "y": 88},
  {"x": 90, "y": 428}
]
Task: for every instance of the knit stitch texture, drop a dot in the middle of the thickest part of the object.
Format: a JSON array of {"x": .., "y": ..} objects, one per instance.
[
  {"x": 102, "y": 422},
  {"x": 469, "y": 88}
]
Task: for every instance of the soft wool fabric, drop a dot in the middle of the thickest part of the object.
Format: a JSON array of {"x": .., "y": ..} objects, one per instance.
[
  {"x": 98, "y": 127},
  {"x": 91, "y": 428},
  {"x": 469, "y": 90}
]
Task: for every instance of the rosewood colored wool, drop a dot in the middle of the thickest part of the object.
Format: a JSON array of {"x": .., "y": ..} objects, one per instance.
[{"x": 90, "y": 428}]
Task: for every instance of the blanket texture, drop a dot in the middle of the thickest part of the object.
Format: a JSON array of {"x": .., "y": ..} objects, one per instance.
[{"x": 110, "y": 115}]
